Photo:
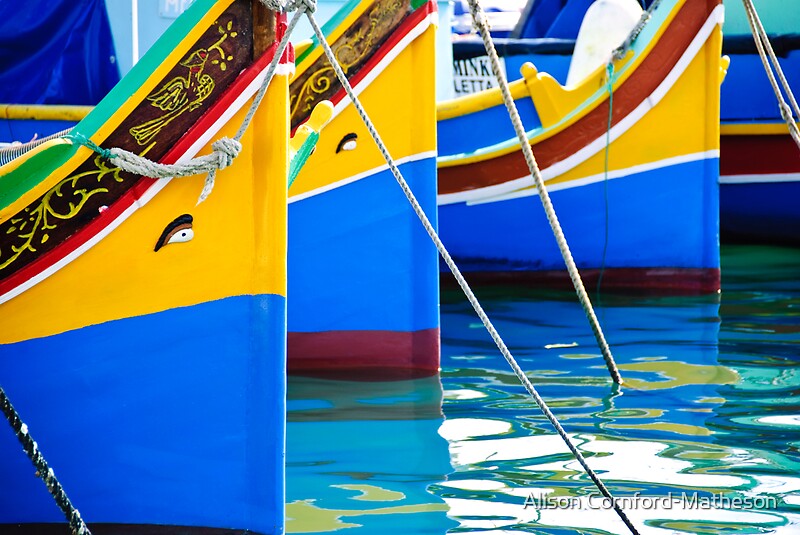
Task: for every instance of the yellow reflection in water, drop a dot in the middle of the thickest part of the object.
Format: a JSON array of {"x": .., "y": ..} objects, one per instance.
[
  {"x": 673, "y": 374},
  {"x": 305, "y": 517}
]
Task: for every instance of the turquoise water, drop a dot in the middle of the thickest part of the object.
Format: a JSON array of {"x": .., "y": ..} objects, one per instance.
[{"x": 706, "y": 429}]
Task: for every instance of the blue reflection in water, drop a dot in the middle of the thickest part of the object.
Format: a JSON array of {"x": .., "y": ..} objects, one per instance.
[{"x": 709, "y": 412}]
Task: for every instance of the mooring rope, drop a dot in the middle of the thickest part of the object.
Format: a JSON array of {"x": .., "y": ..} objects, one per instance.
[
  {"x": 224, "y": 150},
  {"x": 767, "y": 55},
  {"x": 456, "y": 272},
  {"x": 43, "y": 470},
  {"x": 479, "y": 19}
]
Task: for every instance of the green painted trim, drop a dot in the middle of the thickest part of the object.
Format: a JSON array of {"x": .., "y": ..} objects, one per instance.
[
  {"x": 30, "y": 173},
  {"x": 301, "y": 157},
  {"x": 144, "y": 68}
]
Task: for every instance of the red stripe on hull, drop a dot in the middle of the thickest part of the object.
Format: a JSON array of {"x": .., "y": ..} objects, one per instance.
[
  {"x": 758, "y": 155},
  {"x": 652, "y": 71},
  {"x": 647, "y": 281},
  {"x": 364, "y": 355}
]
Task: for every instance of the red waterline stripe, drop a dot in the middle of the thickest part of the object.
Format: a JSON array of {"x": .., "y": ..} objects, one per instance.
[
  {"x": 758, "y": 155},
  {"x": 364, "y": 355},
  {"x": 640, "y": 281}
]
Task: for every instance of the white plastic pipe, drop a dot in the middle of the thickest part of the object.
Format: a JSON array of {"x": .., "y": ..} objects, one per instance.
[{"x": 134, "y": 31}]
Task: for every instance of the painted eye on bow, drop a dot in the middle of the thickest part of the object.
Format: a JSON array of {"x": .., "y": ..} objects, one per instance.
[
  {"x": 348, "y": 142},
  {"x": 179, "y": 231}
]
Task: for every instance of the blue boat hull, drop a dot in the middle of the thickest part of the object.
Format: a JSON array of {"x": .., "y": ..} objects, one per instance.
[
  {"x": 760, "y": 212},
  {"x": 163, "y": 420},
  {"x": 606, "y": 229},
  {"x": 363, "y": 282}
]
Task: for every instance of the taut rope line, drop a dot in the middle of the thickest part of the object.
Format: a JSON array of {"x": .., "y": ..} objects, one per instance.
[
  {"x": 479, "y": 19},
  {"x": 456, "y": 272},
  {"x": 767, "y": 55},
  {"x": 76, "y": 524}
]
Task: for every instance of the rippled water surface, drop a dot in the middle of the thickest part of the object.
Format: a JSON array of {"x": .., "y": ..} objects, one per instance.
[{"x": 703, "y": 438}]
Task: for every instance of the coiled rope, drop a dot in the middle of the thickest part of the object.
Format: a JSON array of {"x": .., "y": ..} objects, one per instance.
[
  {"x": 456, "y": 272},
  {"x": 479, "y": 19},
  {"x": 768, "y": 56}
]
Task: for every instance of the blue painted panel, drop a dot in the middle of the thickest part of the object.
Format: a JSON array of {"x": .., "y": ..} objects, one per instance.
[
  {"x": 746, "y": 94},
  {"x": 568, "y": 21},
  {"x": 761, "y": 213},
  {"x": 170, "y": 418},
  {"x": 556, "y": 65},
  {"x": 56, "y": 52},
  {"x": 458, "y": 135},
  {"x": 661, "y": 218},
  {"x": 359, "y": 258}
]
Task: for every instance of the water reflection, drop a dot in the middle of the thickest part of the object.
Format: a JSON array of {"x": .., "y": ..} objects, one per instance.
[
  {"x": 362, "y": 455},
  {"x": 709, "y": 410},
  {"x": 659, "y": 435}
]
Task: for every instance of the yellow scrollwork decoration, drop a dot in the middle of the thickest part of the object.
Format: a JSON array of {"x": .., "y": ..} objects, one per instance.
[
  {"x": 349, "y": 52},
  {"x": 35, "y": 222}
]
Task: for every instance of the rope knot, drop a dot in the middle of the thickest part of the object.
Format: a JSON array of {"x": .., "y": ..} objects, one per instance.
[
  {"x": 105, "y": 154},
  {"x": 309, "y": 6},
  {"x": 226, "y": 150},
  {"x": 274, "y": 5}
]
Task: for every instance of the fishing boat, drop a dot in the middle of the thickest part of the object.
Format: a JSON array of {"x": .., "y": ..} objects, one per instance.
[
  {"x": 629, "y": 151},
  {"x": 759, "y": 162},
  {"x": 363, "y": 274},
  {"x": 142, "y": 335}
]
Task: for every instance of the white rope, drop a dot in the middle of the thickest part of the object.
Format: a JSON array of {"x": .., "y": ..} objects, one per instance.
[
  {"x": 767, "y": 55},
  {"x": 457, "y": 273},
  {"x": 479, "y": 19},
  {"x": 224, "y": 150}
]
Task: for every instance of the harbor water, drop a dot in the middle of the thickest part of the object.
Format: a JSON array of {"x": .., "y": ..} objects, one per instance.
[{"x": 702, "y": 438}]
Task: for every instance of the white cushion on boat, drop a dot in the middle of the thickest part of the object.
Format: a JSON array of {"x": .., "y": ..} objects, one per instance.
[{"x": 605, "y": 26}]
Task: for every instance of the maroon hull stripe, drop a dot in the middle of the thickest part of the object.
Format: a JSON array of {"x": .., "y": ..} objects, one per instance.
[
  {"x": 364, "y": 355},
  {"x": 758, "y": 155}
]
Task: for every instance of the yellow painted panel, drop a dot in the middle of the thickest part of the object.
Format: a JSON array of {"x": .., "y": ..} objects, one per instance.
[
  {"x": 403, "y": 93},
  {"x": 239, "y": 244},
  {"x": 672, "y": 128},
  {"x": 751, "y": 129},
  {"x": 557, "y": 102}
]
